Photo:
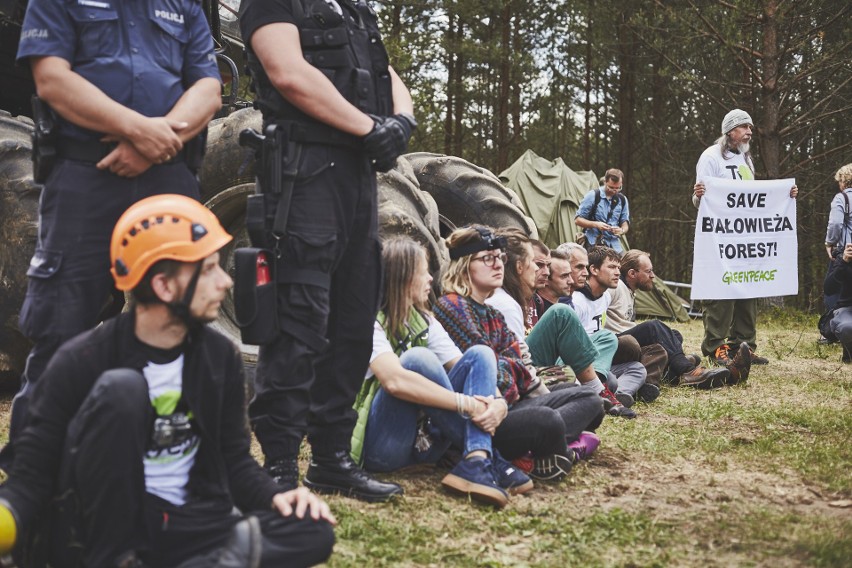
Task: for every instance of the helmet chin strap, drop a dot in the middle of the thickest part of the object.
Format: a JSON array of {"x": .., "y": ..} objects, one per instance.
[{"x": 181, "y": 308}]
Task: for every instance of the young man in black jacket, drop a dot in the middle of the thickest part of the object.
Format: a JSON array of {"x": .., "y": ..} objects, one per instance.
[{"x": 137, "y": 449}]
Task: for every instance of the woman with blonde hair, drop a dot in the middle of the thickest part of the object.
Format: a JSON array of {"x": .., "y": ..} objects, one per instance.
[
  {"x": 538, "y": 421},
  {"x": 417, "y": 371}
]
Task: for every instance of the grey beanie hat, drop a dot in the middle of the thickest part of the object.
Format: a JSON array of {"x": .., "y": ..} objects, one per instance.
[{"x": 735, "y": 118}]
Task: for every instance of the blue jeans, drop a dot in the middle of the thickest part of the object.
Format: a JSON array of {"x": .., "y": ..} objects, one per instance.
[{"x": 392, "y": 424}]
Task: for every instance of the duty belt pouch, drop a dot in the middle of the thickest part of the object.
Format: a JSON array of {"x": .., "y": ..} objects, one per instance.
[{"x": 255, "y": 295}]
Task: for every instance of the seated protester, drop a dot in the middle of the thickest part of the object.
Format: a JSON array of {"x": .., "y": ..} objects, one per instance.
[
  {"x": 558, "y": 283},
  {"x": 579, "y": 263},
  {"x": 541, "y": 258},
  {"x": 539, "y": 423},
  {"x": 839, "y": 281},
  {"x": 590, "y": 304},
  {"x": 637, "y": 273},
  {"x": 137, "y": 451},
  {"x": 412, "y": 356},
  {"x": 604, "y": 214},
  {"x": 559, "y": 338}
]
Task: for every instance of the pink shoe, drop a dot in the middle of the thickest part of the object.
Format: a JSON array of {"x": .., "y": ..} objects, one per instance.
[{"x": 585, "y": 445}]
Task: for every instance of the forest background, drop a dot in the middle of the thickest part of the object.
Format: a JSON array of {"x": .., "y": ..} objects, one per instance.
[{"x": 640, "y": 86}]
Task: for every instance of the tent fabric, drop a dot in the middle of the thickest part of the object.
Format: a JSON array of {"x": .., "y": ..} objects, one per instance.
[{"x": 551, "y": 193}]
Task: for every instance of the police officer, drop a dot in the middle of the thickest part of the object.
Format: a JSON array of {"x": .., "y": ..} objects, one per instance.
[
  {"x": 322, "y": 75},
  {"x": 133, "y": 84}
]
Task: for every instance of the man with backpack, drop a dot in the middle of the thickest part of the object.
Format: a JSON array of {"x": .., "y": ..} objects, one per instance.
[{"x": 604, "y": 214}]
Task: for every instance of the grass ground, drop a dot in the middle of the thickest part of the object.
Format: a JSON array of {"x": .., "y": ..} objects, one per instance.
[{"x": 757, "y": 475}]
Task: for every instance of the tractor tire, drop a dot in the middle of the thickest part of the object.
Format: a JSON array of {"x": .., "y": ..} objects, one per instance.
[
  {"x": 467, "y": 194},
  {"x": 19, "y": 197},
  {"x": 226, "y": 163},
  {"x": 405, "y": 210}
]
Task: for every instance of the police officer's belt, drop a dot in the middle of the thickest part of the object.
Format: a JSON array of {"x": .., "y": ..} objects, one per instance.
[
  {"x": 317, "y": 133},
  {"x": 93, "y": 151}
]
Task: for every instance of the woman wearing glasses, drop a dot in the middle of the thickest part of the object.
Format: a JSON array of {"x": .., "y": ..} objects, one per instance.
[
  {"x": 539, "y": 422},
  {"x": 417, "y": 371}
]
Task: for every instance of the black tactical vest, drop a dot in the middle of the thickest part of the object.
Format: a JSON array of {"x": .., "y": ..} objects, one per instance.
[{"x": 346, "y": 48}]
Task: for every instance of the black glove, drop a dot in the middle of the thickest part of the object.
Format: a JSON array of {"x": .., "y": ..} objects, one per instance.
[{"x": 388, "y": 140}]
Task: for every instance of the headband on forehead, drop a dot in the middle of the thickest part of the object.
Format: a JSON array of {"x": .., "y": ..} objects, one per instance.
[{"x": 487, "y": 241}]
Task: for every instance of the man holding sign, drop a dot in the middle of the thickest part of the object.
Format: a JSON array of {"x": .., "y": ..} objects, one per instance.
[{"x": 745, "y": 245}]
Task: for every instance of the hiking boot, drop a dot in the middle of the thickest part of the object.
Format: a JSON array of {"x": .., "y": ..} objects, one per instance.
[
  {"x": 704, "y": 378},
  {"x": 553, "y": 467},
  {"x": 584, "y": 446},
  {"x": 722, "y": 356},
  {"x": 648, "y": 392},
  {"x": 625, "y": 399},
  {"x": 614, "y": 407},
  {"x": 757, "y": 359},
  {"x": 241, "y": 550},
  {"x": 509, "y": 477},
  {"x": 475, "y": 477},
  {"x": 339, "y": 474},
  {"x": 284, "y": 472},
  {"x": 740, "y": 365}
]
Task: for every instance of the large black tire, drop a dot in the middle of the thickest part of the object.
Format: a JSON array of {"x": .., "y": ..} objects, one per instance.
[
  {"x": 19, "y": 197},
  {"x": 467, "y": 194},
  {"x": 405, "y": 210},
  {"x": 226, "y": 163}
]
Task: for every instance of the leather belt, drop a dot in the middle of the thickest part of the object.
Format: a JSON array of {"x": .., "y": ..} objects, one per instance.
[{"x": 92, "y": 151}]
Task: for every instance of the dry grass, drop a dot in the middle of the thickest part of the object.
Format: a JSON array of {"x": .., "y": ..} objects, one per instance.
[{"x": 747, "y": 476}]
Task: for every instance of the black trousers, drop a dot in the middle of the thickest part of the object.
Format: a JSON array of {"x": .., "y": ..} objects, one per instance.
[
  {"x": 654, "y": 331},
  {"x": 69, "y": 279},
  {"x": 544, "y": 425},
  {"x": 308, "y": 377},
  {"x": 103, "y": 511}
]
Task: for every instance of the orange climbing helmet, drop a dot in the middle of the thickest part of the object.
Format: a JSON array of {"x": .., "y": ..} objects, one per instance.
[{"x": 162, "y": 227}]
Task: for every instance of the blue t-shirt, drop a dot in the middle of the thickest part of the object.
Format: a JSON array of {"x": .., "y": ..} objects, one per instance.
[
  {"x": 143, "y": 54},
  {"x": 613, "y": 211}
]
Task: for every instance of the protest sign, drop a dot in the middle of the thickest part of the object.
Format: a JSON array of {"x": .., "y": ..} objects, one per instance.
[{"x": 745, "y": 241}]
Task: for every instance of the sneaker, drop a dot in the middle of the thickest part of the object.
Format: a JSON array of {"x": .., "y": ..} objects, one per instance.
[
  {"x": 524, "y": 463},
  {"x": 475, "y": 477},
  {"x": 624, "y": 399},
  {"x": 584, "y": 446},
  {"x": 613, "y": 406},
  {"x": 740, "y": 365},
  {"x": 284, "y": 472},
  {"x": 648, "y": 392},
  {"x": 509, "y": 477},
  {"x": 704, "y": 378},
  {"x": 553, "y": 467},
  {"x": 757, "y": 359}
]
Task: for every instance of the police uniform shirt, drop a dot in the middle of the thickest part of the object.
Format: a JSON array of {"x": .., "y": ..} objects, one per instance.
[{"x": 144, "y": 54}]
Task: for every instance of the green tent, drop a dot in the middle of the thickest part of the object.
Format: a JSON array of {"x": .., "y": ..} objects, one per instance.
[{"x": 551, "y": 193}]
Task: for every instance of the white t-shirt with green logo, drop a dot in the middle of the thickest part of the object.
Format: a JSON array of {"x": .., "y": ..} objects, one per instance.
[
  {"x": 712, "y": 164},
  {"x": 167, "y": 469}
]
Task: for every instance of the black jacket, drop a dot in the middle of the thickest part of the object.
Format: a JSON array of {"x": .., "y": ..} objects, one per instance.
[
  {"x": 839, "y": 280},
  {"x": 213, "y": 386}
]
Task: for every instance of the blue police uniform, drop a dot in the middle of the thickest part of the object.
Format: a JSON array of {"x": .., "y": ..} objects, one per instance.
[
  {"x": 613, "y": 211},
  {"x": 144, "y": 54}
]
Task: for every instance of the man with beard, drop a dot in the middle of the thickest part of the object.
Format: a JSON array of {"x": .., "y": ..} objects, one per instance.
[
  {"x": 730, "y": 326},
  {"x": 637, "y": 273},
  {"x": 137, "y": 451}
]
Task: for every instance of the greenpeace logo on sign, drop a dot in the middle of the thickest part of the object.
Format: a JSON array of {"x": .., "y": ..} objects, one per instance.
[
  {"x": 170, "y": 16},
  {"x": 747, "y": 276}
]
